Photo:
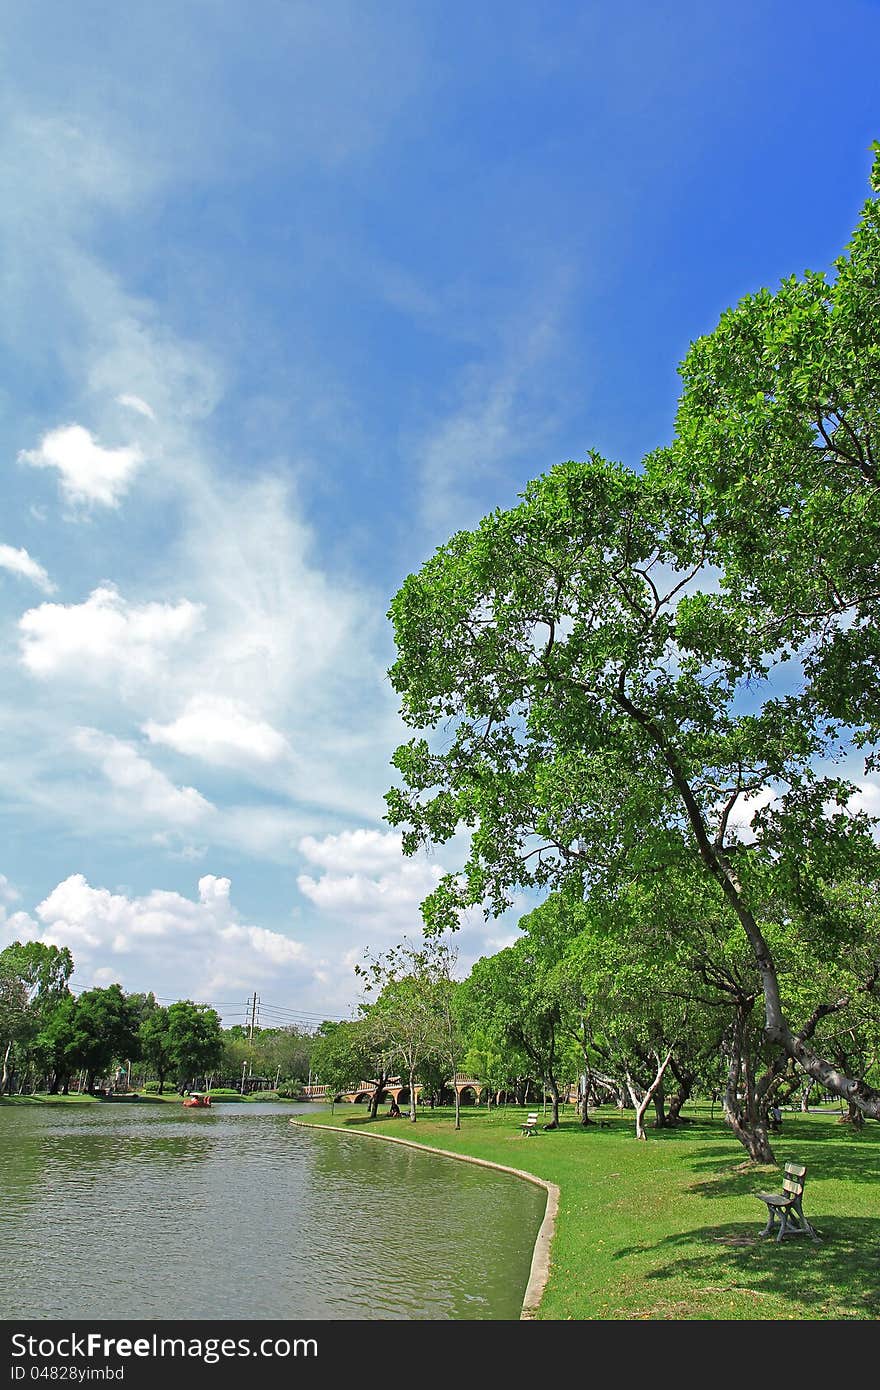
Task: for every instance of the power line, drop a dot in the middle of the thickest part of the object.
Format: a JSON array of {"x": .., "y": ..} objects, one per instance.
[
  {"x": 249, "y": 1011},
  {"x": 278, "y": 1015}
]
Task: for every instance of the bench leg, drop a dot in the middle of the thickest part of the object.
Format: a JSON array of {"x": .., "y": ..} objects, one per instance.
[
  {"x": 799, "y": 1224},
  {"x": 772, "y": 1214}
]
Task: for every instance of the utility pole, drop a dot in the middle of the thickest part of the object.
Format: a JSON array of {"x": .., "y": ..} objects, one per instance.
[{"x": 253, "y": 1023}]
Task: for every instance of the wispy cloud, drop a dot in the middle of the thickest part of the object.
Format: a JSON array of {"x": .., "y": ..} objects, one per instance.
[
  {"x": 507, "y": 409},
  {"x": 141, "y": 791},
  {"x": 18, "y": 561},
  {"x": 135, "y": 403}
]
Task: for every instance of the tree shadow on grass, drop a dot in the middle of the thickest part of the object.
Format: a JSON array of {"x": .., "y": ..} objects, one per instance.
[
  {"x": 854, "y": 1158},
  {"x": 838, "y": 1279}
]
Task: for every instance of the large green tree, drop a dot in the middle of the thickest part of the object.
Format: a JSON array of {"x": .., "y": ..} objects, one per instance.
[
  {"x": 511, "y": 995},
  {"x": 344, "y": 1054},
  {"x": 33, "y": 977},
  {"x": 194, "y": 1039},
  {"x": 155, "y": 1043},
  {"x": 613, "y": 683},
  {"x": 414, "y": 1008},
  {"x": 103, "y": 1027}
]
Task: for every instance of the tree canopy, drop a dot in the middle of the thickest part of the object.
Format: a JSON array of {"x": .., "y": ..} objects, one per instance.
[{"x": 636, "y": 673}]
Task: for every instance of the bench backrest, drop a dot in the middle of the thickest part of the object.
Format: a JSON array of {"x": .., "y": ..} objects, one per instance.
[{"x": 793, "y": 1182}]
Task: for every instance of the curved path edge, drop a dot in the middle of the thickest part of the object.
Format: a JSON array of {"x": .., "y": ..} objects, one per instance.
[{"x": 540, "y": 1267}]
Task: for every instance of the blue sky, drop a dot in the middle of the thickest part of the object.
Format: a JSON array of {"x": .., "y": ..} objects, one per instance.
[{"x": 290, "y": 294}]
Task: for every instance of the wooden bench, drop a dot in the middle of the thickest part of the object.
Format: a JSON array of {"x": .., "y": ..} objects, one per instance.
[
  {"x": 785, "y": 1208},
  {"x": 530, "y": 1123}
]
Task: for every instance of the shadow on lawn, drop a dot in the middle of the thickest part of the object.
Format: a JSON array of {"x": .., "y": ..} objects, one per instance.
[
  {"x": 853, "y": 1158},
  {"x": 838, "y": 1279}
]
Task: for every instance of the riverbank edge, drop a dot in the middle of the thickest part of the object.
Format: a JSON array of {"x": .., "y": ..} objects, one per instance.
[{"x": 539, "y": 1271}]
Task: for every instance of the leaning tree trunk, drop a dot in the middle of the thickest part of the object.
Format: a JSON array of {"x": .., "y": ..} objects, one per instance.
[{"x": 4, "y": 1079}]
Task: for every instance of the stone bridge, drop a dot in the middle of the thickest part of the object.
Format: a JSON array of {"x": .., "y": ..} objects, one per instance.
[{"x": 394, "y": 1089}]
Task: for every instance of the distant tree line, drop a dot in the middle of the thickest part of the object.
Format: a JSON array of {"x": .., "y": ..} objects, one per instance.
[{"x": 52, "y": 1039}]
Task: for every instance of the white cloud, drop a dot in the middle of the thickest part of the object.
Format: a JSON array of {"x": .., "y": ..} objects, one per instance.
[
  {"x": 105, "y": 634},
  {"x": 221, "y": 731},
  {"x": 89, "y": 473},
  {"x": 135, "y": 403},
  {"x": 386, "y": 900},
  {"x": 175, "y": 946},
  {"x": 743, "y": 814},
  {"x": 866, "y": 799},
  {"x": 143, "y": 790},
  {"x": 354, "y": 850},
  {"x": 20, "y": 562},
  {"x": 19, "y": 927},
  {"x": 8, "y": 893}
]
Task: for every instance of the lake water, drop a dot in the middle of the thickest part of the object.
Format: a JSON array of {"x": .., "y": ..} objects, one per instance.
[{"x": 124, "y": 1211}]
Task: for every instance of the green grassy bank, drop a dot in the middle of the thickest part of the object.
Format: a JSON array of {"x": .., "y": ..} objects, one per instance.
[
  {"x": 169, "y": 1097},
  {"x": 668, "y": 1228}
]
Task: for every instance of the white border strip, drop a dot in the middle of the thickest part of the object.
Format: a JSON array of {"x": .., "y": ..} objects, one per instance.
[{"x": 540, "y": 1267}]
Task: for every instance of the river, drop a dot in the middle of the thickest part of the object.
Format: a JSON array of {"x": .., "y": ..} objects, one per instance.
[{"x": 136, "y": 1211}]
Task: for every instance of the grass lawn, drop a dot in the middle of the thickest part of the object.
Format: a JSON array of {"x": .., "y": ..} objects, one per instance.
[
  {"x": 43, "y": 1098},
  {"x": 669, "y": 1228}
]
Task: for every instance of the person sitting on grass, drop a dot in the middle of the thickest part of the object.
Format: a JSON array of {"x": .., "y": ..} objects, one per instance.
[{"x": 394, "y": 1112}]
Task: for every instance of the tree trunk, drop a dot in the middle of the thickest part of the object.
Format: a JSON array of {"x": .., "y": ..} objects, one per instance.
[
  {"x": 740, "y": 1108},
  {"x": 412, "y": 1096},
  {"x": 641, "y": 1103},
  {"x": 554, "y": 1091},
  {"x": 777, "y": 1029},
  {"x": 681, "y": 1097},
  {"x": 585, "y": 1097},
  {"x": 658, "y": 1100},
  {"x": 853, "y": 1117},
  {"x": 4, "y": 1079}
]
